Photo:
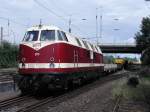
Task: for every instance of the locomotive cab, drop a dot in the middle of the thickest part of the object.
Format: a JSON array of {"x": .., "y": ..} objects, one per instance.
[
  {"x": 44, "y": 35},
  {"x": 39, "y": 55},
  {"x": 37, "y": 45}
]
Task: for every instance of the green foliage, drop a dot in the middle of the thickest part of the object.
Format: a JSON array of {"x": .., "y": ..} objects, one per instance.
[
  {"x": 111, "y": 59},
  {"x": 144, "y": 72},
  {"x": 140, "y": 93},
  {"x": 131, "y": 59},
  {"x": 145, "y": 58},
  {"x": 143, "y": 36},
  {"x": 143, "y": 40},
  {"x": 108, "y": 59},
  {"x": 8, "y": 55}
]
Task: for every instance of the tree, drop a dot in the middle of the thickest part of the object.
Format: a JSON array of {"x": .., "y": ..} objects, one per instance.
[
  {"x": 108, "y": 59},
  {"x": 143, "y": 36},
  {"x": 145, "y": 57},
  {"x": 8, "y": 55},
  {"x": 143, "y": 40}
]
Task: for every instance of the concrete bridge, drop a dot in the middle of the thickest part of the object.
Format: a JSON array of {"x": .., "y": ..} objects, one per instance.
[{"x": 120, "y": 48}]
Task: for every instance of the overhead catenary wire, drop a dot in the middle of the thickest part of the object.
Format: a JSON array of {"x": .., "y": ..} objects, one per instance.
[
  {"x": 10, "y": 20},
  {"x": 58, "y": 7},
  {"x": 54, "y": 13},
  {"x": 49, "y": 10},
  {"x": 10, "y": 33}
]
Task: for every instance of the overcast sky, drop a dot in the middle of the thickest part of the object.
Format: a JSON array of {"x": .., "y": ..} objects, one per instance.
[{"x": 26, "y": 13}]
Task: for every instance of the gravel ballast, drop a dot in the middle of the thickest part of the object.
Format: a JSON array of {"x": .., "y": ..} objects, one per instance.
[{"x": 94, "y": 100}]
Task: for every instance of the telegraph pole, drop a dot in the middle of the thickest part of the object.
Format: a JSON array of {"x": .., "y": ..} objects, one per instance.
[
  {"x": 101, "y": 24},
  {"x": 8, "y": 24},
  {"x": 70, "y": 24},
  {"x": 100, "y": 28},
  {"x": 1, "y": 36},
  {"x": 97, "y": 24}
]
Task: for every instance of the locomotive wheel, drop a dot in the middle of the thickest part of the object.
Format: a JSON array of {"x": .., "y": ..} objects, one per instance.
[
  {"x": 24, "y": 85},
  {"x": 70, "y": 85},
  {"x": 66, "y": 85},
  {"x": 39, "y": 88},
  {"x": 35, "y": 88},
  {"x": 80, "y": 80},
  {"x": 25, "y": 91}
]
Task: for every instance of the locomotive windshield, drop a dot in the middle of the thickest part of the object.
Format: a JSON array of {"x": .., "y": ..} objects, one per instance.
[
  {"x": 47, "y": 35},
  {"x": 31, "y": 36}
]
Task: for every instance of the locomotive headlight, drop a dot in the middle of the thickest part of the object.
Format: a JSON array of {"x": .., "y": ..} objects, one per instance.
[
  {"x": 23, "y": 59},
  {"x": 52, "y": 65},
  {"x": 37, "y": 46}
]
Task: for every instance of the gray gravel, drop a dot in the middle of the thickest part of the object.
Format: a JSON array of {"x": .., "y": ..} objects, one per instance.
[
  {"x": 95, "y": 100},
  {"x": 9, "y": 94},
  {"x": 133, "y": 106}
]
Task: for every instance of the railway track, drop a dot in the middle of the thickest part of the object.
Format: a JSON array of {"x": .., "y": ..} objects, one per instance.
[
  {"x": 117, "y": 104},
  {"x": 53, "y": 101},
  {"x": 6, "y": 76},
  {"x": 17, "y": 103},
  {"x": 11, "y": 101},
  {"x": 126, "y": 105},
  {"x": 8, "y": 70},
  {"x": 28, "y": 104},
  {"x": 6, "y": 79}
]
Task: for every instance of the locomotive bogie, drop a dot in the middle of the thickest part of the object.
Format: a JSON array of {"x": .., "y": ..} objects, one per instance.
[{"x": 41, "y": 82}]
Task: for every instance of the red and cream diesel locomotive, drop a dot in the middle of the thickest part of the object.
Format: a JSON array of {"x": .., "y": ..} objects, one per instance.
[{"x": 50, "y": 58}]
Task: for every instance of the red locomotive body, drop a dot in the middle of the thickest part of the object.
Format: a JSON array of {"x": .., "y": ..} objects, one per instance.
[{"x": 50, "y": 58}]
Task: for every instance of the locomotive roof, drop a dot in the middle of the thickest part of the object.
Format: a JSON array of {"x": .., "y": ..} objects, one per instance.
[
  {"x": 51, "y": 27},
  {"x": 43, "y": 27}
]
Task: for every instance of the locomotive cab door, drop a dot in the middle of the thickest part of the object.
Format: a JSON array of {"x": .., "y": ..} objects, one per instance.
[{"x": 91, "y": 55}]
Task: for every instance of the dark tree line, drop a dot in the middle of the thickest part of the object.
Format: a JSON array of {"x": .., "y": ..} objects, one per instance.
[
  {"x": 143, "y": 40},
  {"x": 8, "y": 55},
  {"x": 143, "y": 36}
]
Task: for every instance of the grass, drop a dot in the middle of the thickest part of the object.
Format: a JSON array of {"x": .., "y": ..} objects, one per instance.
[
  {"x": 140, "y": 93},
  {"x": 147, "y": 79}
]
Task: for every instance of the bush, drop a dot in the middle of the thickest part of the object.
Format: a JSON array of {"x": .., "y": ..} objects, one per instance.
[
  {"x": 133, "y": 81},
  {"x": 144, "y": 72},
  {"x": 8, "y": 55}
]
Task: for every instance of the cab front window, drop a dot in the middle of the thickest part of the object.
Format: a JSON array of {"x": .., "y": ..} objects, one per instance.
[
  {"x": 31, "y": 36},
  {"x": 47, "y": 35}
]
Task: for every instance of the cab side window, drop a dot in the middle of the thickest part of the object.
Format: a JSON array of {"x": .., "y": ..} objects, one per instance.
[
  {"x": 92, "y": 47},
  {"x": 79, "y": 43},
  {"x": 85, "y": 44},
  {"x": 59, "y": 35},
  {"x": 62, "y": 36},
  {"x": 96, "y": 48}
]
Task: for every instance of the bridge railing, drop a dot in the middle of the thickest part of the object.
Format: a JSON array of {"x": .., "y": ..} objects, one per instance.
[{"x": 117, "y": 44}]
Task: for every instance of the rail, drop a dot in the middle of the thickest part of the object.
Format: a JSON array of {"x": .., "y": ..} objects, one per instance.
[{"x": 52, "y": 101}]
